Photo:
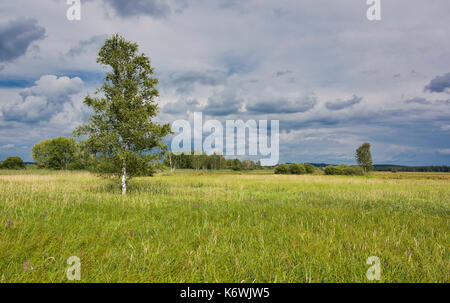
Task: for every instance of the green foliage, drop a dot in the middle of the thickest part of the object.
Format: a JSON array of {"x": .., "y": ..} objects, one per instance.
[
  {"x": 282, "y": 169},
  {"x": 364, "y": 157},
  {"x": 237, "y": 165},
  {"x": 310, "y": 169},
  {"x": 57, "y": 153},
  {"x": 398, "y": 168},
  {"x": 120, "y": 133},
  {"x": 294, "y": 169},
  {"x": 344, "y": 170},
  {"x": 203, "y": 161},
  {"x": 297, "y": 169},
  {"x": 12, "y": 163},
  {"x": 138, "y": 165}
]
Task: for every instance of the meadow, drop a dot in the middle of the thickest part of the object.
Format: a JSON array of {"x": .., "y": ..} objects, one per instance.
[{"x": 195, "y": 226}]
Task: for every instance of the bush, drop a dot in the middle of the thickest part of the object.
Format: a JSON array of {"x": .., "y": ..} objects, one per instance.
[
  {"x": 309, "y": 168},
  {"x": 297, "y": 169},
  {"x": 354, "y": 170},
  {"x": 333, "y": 170},
  {"x": 282, "y": 169},
  {"x": 13, "y": 163},
  {"x": 344, "y": 170},
  {"x": 236, "y": 168}
]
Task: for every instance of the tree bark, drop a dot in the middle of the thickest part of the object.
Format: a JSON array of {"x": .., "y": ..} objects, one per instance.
[{"x": 124, "y": 178}]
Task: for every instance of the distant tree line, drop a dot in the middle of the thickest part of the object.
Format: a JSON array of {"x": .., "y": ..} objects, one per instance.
[
  {"x": 190, "y": 160},
  {"x": 67, "y": 153},
  {"x": 396, "y": 168}
]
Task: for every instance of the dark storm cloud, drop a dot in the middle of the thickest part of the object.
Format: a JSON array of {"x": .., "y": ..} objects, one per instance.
[
  {"x": 93, "y": 43},
  {"x": 153, "y": 8},
  {"x": 16, "y": 36},
  {"x": 282, "y": 105},
  {"x": 439, "y": 84},
  {"x": 341, "y": 104}
]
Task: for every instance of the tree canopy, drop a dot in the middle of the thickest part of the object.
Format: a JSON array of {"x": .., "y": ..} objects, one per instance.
[
  {"x": 12, "y": 163},
  {"x": 364, "y": 157},
  {"x": 56, "y": 153}
]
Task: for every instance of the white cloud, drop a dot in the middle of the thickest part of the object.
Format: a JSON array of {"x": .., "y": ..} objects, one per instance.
[{"x": 42, "y": 101}]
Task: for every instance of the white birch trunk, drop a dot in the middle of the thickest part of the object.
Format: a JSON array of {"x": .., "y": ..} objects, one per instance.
[{"x": 124, "y": 179}]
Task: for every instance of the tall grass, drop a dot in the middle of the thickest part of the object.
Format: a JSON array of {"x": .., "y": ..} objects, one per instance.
[{"x": 221, "y": 227}]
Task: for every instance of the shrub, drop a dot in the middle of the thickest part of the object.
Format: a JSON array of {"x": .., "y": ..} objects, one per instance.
[
  {"x": 282, "y": 169},
  {"x": 344, "y": 170},
  {"x": 354, "y": 170},
  {"x": 333, "y": 170},
  {"x": 297, "y": 169},
  {"x": 13, "y": 163},
  {"x": 309, "y": 168},
  {"x": 236, "y": 168}
]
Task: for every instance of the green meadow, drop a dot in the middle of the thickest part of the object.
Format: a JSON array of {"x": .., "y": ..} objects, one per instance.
[{"x": 194, "y": 226}]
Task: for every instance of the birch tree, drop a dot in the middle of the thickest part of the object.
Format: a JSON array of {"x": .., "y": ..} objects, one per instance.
[{"x": 120, "y": 132}]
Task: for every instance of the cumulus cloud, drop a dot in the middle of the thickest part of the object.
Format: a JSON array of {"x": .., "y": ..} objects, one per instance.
[
  {"x": 16, "y": 36},
  {"x": 43, "y": 100},
  {"x": 282, "y": 105},
  {"x": 439, "y": 84},
  {"x": 341, "y": 104},
  {"x": 153, "y": 8}
]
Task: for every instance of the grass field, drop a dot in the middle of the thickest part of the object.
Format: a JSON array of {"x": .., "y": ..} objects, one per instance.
[{"x": 224, "y": 227}]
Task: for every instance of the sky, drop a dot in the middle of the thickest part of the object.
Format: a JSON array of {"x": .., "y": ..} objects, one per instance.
[{"x": 330, "y": 76}]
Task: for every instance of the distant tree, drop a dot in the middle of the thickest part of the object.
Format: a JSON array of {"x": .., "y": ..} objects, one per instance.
[
  {"x": 237, "y": 165},
  {"x": 248, "y": 165},
  {"x": 282, "y": 169},
  {"x": 364, "y": 157},
  {"x": 12, "y": 163},
  {"x": 121, "y": 133},
  {"x": 55, "y": 153}
]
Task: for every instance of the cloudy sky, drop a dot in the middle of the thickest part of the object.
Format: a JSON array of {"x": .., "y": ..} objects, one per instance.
[{"x": 331, "y": 77}]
